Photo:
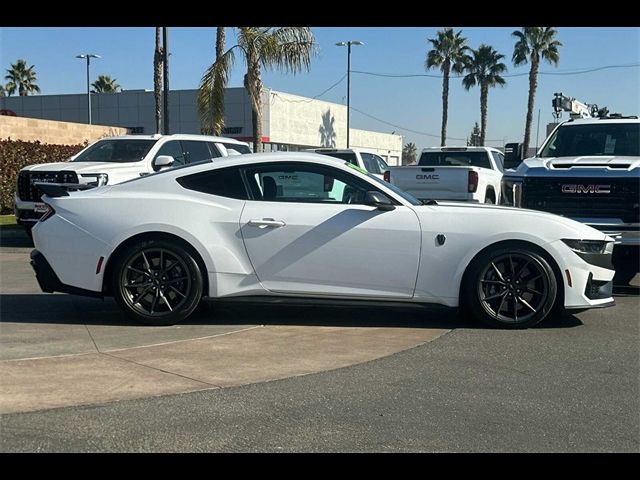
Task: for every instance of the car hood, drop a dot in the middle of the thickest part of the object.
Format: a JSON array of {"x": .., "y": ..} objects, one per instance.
[
  {"x": 495, "y": 217},
  {"x": 83, "y": 167},
  {"x": 565, "y": 165}
]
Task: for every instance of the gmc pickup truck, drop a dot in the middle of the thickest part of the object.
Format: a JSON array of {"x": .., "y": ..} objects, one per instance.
[
  {"x": 113, "y": 160},
  {"x": 587, "y": 170},
  {"x": 368, "y": 161},
  {"x": 470, "y": 174}
]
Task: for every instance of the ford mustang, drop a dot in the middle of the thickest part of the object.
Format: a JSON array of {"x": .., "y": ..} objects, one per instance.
[{"x": 299, "y": 225}]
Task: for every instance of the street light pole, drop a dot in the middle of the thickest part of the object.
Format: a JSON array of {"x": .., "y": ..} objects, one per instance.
[
  {"x": 88, "y": 56},
  {"x": 348, "y": 45}
]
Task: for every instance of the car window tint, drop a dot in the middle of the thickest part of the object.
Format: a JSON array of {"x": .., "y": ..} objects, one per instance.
[
  {"x": 215, "y": 151},
  {"x": 302, "y": 183},
  {"x": 173, "y": 149},
  {"x": 225, "y": 182},
  {"x": 196, "y": 151}
]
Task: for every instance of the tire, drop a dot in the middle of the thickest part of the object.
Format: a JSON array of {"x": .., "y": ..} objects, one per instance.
[
  {"x": 489, "y": 198},
  {"x": 170, "y": 282},
  {"x": 510, "y": 287}
]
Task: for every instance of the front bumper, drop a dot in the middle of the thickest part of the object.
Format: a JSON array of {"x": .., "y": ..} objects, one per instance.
[{"x": 49, "y": 281}]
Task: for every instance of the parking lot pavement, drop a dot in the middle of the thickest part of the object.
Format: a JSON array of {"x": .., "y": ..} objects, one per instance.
[{"x": 60, "y": 350}]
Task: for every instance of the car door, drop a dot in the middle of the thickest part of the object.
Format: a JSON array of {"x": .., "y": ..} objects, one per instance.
[{"x": 307, "y": 231}]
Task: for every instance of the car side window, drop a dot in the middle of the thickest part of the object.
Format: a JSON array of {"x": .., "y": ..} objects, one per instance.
[
  {"x": 382, "y": 165},
  {"x": 305, "y": 183},
  {"x": 173, "y": 149},
  {"x": 223, "y": 182},
  {"x": 370, "y": 163},
  {"x": 215, "y": 152},
  {"x": 196, "y": 151}
]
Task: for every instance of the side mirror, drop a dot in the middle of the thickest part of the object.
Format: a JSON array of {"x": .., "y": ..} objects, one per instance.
[
  {"x": 162, "y": 161},
  {"x": 379, "y": 200}
]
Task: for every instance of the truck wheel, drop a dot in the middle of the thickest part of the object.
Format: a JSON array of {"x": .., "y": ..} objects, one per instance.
[
  {"x": 490, "y": 198},
  {"x": 510, "y": 287}
]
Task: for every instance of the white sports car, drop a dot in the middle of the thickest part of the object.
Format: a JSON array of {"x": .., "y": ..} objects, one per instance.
[{"x": 302, "y": 225}]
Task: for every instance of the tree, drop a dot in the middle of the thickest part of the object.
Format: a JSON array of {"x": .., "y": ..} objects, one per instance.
[
  {"x": 1, "y": 91},
  {"x": 157, "y": 79},
  {"x": 211, "y": 97},
  {"x": 409, "y": 153},
  {"x": 448, "y": 53},
  {"x": 533, "y": 44},
  {"x": 105, "y": 84},
  {"x": 474, "y": 139},
  {"x": 284, "y": 48},
  {"x": 22, "y": 79},
  {"x": 483, "y": 68}
]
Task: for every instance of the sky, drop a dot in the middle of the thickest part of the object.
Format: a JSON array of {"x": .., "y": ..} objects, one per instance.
[{"x": 411, "y": 107}]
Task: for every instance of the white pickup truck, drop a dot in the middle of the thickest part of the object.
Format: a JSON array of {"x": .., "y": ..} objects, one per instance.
[
  {"x": 470, "y": 174},
  {"x": 113, "y": 160},
  {"x": 368, "y": 161}
]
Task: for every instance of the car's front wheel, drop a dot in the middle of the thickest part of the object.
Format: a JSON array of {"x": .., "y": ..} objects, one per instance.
[
  {"x": 157, "y": 282},
  {"x": 510, "y": 288}
]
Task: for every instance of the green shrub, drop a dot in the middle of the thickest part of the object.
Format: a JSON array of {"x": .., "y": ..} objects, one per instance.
[{"x": 16, "y": 154}]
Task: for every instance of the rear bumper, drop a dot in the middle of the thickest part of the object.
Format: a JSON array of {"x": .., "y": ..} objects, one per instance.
[{"x": 49, "y": 281}]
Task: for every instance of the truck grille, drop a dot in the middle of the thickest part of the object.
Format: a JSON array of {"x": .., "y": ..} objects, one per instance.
[
  {"x": 30, "y": 193},
  {"x": 580, "y": 197}
]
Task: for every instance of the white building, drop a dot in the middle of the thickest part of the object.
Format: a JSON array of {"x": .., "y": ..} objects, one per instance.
[{"x": 290, "y": 122}]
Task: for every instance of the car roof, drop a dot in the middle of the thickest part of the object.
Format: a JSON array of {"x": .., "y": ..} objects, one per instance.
[
  {"x": 178, "y": 136},
  {"x": 460, "y": 149},
  {"x": 338, "y": 150},
  {"x": 588, "y": 121}
]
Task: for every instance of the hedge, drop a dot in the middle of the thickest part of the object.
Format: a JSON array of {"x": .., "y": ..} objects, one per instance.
[{"x": 16, "y": 154}]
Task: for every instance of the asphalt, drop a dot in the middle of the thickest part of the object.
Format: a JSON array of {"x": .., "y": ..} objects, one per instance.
[{"x": 428, "y": 382}]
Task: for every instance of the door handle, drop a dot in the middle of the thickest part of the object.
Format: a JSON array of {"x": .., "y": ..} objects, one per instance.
[{"x": 266, "y": 222}]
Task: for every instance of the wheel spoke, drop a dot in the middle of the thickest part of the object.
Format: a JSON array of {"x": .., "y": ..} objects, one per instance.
[
  {"x": 178, "y": 291},
  {"x": 513, "y": 268},
  {"x": 499, "y": 282},
  {"x": 532, "y": 290},
  {"x": 515, "y": 308},
  {"x": 497, "y": 271},
  {"x": 533, "y": 279},
  {"x": 139, "y": 297},
  {"x": 498, "y": 295},
  {"x": 526, "y": 304},
  {"x": 161, "y": 259},
  {"x": 171, "y": 265},
  {"x": 155, "y": 300},
  {"x": 138, "y": 285},
  {"x": 141, "y": 272},
  {"x": 146, "y": 262},
  {"x": 522, "y": 268},
  {"x": 165, "y": 300},
  {"x": 500, "y": 307}
]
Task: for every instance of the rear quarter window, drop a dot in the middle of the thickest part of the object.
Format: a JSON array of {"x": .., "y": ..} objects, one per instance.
[{"x": 223, "y": 182}]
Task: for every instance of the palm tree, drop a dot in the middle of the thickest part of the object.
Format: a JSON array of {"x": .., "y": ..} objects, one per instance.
[
  {"x": 157, "y": 79},
  {"x": 448, "y": 53},
  {"x": 211, "y": 96},
  {"x": 534, "y": 43},
  {"x": 409, "y": 153},
  {"x": 105, "y": 84},
  {"x": 284, "y": 48},
  {"x": 484, "y": 68},
  {"x": 22, "y": 79},
  {"x": 1, "y": 91}
]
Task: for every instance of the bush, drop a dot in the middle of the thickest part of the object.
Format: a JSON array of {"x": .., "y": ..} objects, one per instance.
[{"x": 16, "y": 154}]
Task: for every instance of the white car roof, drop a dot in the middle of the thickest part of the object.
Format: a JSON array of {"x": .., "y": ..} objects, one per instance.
[
  {"x": 587, "y": 121},
  {"x": 338, "y": 150},
  {"x": 454, "y": 148},
  {"x": 178, "y": 136}
]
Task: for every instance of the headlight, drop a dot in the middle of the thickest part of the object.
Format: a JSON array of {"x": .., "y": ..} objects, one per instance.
[
  {"x": 511, "y": 191},
  {"x": 589, "y": 246},
  {"x": 100, "y": 179}
]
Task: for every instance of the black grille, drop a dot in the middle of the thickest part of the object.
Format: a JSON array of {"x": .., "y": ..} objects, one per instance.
[
  {"x": 30, "y": 193},
  {"x": 622, "y": 202}
]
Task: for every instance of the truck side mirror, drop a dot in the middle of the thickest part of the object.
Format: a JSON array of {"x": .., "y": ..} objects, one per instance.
[{"x": 512, "y": 155}]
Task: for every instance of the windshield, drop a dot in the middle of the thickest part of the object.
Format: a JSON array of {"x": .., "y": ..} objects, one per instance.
[
  {"x": 454, "y": 159},
  {"x": 117, "y": 151},
  {"x": 407, "y": 196},
  {"x": 594, "y": 139}
]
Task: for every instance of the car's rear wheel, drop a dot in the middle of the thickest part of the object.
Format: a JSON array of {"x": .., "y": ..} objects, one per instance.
[
  {"x": 157, "y": 282},
  {"x": 510, "y": 288}
]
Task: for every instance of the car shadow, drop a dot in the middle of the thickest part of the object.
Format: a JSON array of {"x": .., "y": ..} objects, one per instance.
[{"x": 72, "y": 310}]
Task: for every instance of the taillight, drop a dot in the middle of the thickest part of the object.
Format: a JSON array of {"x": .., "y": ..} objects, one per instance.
[
  {"x": 473, "y": 181},
  {"x": 387, "y": 176},
  {"x": 50, "y": 212}
]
